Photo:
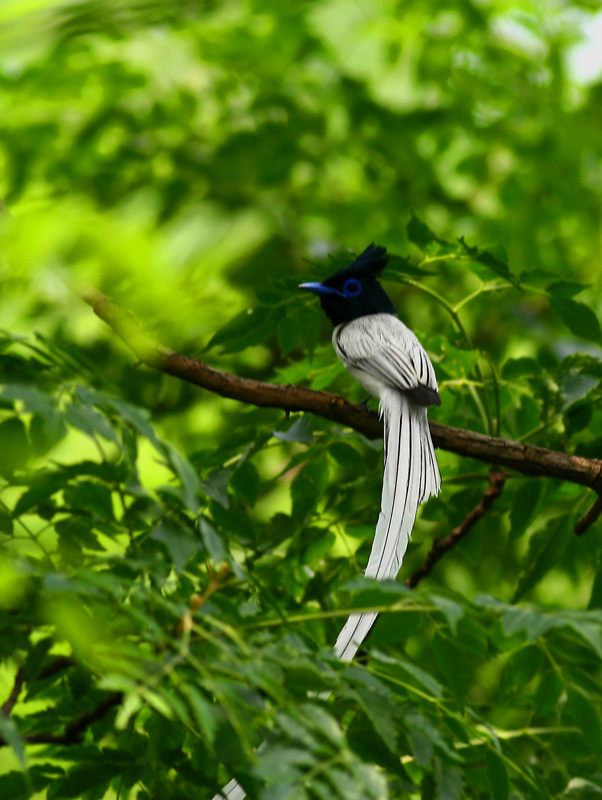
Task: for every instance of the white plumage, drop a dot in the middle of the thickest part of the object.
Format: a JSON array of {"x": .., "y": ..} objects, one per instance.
[{"x": 389, "y": 361}]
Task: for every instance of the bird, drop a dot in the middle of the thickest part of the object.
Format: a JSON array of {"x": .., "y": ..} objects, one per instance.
[{"x": 387, "y": 359}]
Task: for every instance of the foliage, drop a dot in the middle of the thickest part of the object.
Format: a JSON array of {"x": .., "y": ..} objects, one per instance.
[{"x": 175, "y": 567}]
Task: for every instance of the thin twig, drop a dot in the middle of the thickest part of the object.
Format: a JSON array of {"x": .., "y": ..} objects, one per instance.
[
  {"x": 216, "y": 581},
  {"x": 9, "y": 704},
  {"x": 505, "y": 453},
  {"x": 497, "y": 481},
  {"x": 590, "y": 516},
  {"x": 74, "y": 732},
  {"x": 60, "y": 663}
]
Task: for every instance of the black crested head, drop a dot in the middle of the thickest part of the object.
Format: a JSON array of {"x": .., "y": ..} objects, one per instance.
[{"x": 355, "y": 291}]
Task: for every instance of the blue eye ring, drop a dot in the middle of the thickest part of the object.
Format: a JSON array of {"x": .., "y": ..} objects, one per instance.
[{"x": 352, "y": 288}]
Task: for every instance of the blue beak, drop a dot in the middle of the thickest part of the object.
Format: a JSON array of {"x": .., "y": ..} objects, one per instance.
[{"x": 318, "y": 288}]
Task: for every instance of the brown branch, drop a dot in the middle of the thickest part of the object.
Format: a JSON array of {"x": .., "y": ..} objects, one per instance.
[
  {"x": 60, "y": 663},
  {"x": 216, "y": 581},
  {"x": 9, "y": 704},
  {"x": 439, "y": 547},
  {"x": 525, "y": 458},
  {"x": 590, "y": 516},
  {"x": 74, "y": 732}
]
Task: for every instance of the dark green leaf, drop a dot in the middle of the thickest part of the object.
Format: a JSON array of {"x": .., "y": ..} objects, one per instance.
[
  {"x": 491, "y": 262},
  {"x": 90, "y": 497},
  {"x": 14, "y": 446},
  {"x": 584, "y": 714},
  {"x": 6, "y": 523},
  {"x": 90, "y": 421},
  {"x": 448, "y": 781},
  {"x": 84, "y": 778},
  {"x": 212, "y": 541},
  {"x": 579, "y": 318},
  {"x": 578, "y": 416},
  {"x": 497, "y": 776},
  {"x": 420, "y": 234},
  {"x": 524, "y": 507},
  {"x": 287, "y": 334},
  {"x": 180, "y": 543},
  {"x": 519, "y": 367},
  {"x": 245, "y": 482},
  {"x": 566, "y": 288}
]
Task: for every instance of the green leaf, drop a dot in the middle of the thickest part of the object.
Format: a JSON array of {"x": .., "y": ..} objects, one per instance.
[
  {"x": 420, "y": 234},
  {"x": 86, "y": 777},
  {"x": 378, "y": 704},
  {"x": 90, "y": 421},
  {"x": 578, "y": 416},
  {"x": 581, "y": 363},
  {"x": 216, "y": 485},
  {"x": 452, "y": 610},
  {"x": 20, "y": 785},
  {"x": 546, "y": 548},
  {"x": 245, "y": 482},
  {"x": 179, "y": 542},
  {"x": 524, "y": 507},
  {"x": 212, "y": 541},
  {"x": 566, "y": 288},
  {"x": 549, "y": 693},
  {"x": 189, "y": 478},
  {"x": 398, "y": 666},
  {"x": 300, "y": 431},
  {"x": 6, "y": 523},
  {"x": 42, "y": 488},
  {"x": 44, "y": 434},
  {"x": 346, "y": 455},
  {"x": 400, "y": 266},
  {"x": 522, "y": 666},
  {"x": 519, "y": 367},
  {"x": 491, "y": 262},
  {"x": 14, "y": 446},
  {"x": 586, "y": 718},
  {"x": 499, "y": 785},
  {"x": 310, "y": 323},
  {"x": 448, "y": 781},
  {"x": 90, "y": 497},
  {"x": 249, "y": 328},
  {"x": 579, "y": 318},
  {"x": 287, "y": 334},
  {"x": 202, "y": 711}
]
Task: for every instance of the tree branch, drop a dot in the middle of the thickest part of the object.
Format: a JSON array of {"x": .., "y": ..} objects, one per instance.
[
  {"x": 74, "y": 732},
  {"x": 9, "y": 704},
  {"x": 524, "y": 458},
  {"x": 497, "y": 481}
]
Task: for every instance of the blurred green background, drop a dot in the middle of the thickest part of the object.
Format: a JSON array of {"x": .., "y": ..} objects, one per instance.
[{"x": 194, "y": 161}]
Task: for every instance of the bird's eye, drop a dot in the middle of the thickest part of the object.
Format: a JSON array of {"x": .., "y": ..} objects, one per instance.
[{"x": 352, "y": 288}]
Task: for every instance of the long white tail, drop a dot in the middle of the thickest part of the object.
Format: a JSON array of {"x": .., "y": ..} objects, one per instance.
[{"x": 411, "y": 476}]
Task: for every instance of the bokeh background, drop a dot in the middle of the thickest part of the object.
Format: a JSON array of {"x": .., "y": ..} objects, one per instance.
[{"x": 195, "y": 161}]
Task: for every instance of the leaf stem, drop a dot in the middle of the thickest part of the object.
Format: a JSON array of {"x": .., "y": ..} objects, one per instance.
[{"x": 482, "y": 405}]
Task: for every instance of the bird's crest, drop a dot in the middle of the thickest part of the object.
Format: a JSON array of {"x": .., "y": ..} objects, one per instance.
[{"x": 370, "y": 263}]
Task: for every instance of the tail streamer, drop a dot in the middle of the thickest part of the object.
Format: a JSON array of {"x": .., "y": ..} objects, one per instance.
[{"x": 411, "y": 476}]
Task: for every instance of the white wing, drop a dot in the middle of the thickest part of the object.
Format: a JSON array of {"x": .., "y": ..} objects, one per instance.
[{"x": 380, "y": 351}]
